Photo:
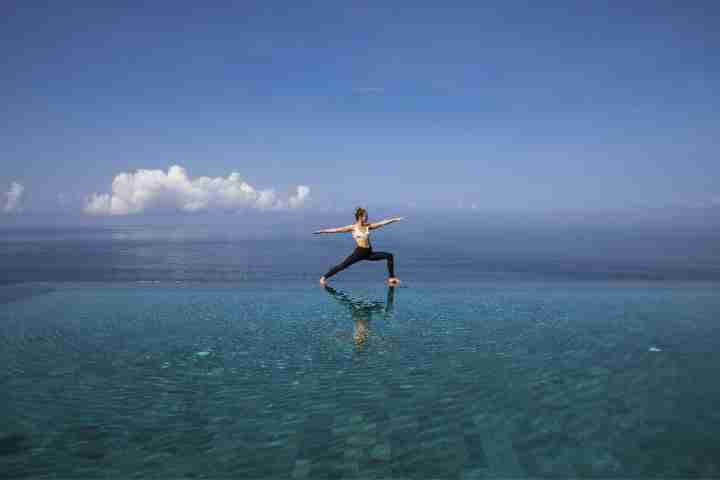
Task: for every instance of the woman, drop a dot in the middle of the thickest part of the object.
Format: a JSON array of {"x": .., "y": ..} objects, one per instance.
[{"x": 361, "y": 233}]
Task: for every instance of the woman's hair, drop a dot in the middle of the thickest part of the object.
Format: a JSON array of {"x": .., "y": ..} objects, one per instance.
[{"x": 359, "y": 212}]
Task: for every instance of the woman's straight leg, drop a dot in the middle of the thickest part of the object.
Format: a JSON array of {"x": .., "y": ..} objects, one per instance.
[{"x": 375, "y": 256}]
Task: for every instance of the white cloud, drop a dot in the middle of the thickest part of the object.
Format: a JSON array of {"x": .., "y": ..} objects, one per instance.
[
  {"x": 157, "y": 190},
  {"x": 467, "y": 204},
  {"x": 13, "y": 197},
  {"x": 370, "y": 90},
  {"x": 709, "y": 202},
  {"x": 303, "y": 193}
]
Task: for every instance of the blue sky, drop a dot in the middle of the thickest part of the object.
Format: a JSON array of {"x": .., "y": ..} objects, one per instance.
[{"x": 507, "y": 106}]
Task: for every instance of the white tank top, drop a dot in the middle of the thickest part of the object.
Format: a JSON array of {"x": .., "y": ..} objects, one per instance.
[{"x": 360, "y": 235}]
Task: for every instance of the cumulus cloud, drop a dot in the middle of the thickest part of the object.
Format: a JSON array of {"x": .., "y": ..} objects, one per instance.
[
  {"x": 13, "y": 197},
  {"x": 297, "y": 200},
  {"x": 173, "y": 190}
]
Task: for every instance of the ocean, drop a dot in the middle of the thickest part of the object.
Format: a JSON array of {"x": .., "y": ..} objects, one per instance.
[{"x": 175, "y": 352}]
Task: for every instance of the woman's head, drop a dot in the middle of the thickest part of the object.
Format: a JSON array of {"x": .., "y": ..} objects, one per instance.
[{"x": 361, "y": 214}]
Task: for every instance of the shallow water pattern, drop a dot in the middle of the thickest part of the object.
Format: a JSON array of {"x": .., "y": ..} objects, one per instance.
[{"x": 462, "y": 380}]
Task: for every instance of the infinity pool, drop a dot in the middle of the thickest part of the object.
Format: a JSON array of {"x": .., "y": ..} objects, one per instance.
[{"x": 426, "y": 380}]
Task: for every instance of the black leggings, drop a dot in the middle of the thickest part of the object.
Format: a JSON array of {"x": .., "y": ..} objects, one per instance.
[{"x": 361, "y": 253}]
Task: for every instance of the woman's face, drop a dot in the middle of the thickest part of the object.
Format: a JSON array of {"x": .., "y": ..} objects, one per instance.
[{"x": 365, "y": 217}]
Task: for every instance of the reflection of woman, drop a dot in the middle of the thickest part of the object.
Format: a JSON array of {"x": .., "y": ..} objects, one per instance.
[{"x": 361, "y": 311}]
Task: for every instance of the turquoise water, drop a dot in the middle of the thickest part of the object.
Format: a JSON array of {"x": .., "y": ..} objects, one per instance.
[{"x": 467, "y": 379}]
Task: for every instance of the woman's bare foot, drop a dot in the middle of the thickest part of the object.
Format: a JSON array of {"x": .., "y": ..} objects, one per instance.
[
  {"x": 323, "y": 280},
  {"x": 393, "y": 281}
]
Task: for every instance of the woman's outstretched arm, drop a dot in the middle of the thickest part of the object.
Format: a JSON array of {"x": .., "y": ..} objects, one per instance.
[
  {"x": 373, "y": 226},
  {"x": 346, "y": 228}
]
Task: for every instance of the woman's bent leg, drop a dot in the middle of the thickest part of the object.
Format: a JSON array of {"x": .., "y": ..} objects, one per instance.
[
  {"x": 385, "y": 256},
  {"x": 354, "y": 257}
]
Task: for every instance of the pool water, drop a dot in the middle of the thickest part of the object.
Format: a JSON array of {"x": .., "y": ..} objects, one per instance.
[{"x": 287, "y": 379}]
